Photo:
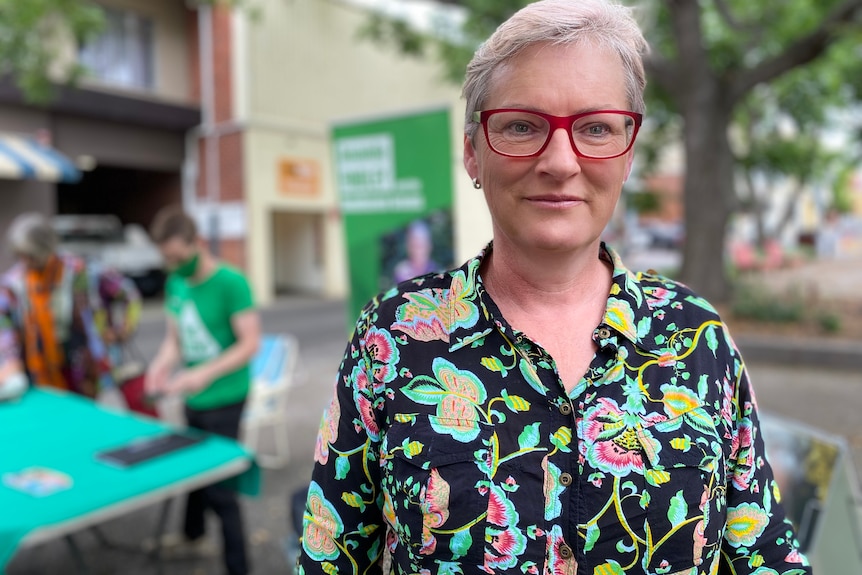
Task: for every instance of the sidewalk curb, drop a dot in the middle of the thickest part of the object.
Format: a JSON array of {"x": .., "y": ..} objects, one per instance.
[{"x": 832, "y": 354}]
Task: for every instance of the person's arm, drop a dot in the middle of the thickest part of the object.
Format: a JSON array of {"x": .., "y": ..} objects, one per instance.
[
  {"x": 343, "y": 527},
  {"x": 11, "y": 364},
  {"x": 758, "y": 533},
  {"x": 115, "y": 289},
  {"x": 246, "y": 327},
  {"x": 167, "y": 357}
]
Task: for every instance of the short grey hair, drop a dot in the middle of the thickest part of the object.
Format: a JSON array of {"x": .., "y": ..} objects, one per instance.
[
  {"x": 31, "y": 234},
  {"x": 601, "y": 22}
]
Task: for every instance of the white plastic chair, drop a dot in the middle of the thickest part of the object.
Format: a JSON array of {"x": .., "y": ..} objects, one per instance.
[{"x": 273, "y": 373}]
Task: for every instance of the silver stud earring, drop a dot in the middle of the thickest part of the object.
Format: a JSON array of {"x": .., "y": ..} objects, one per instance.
[{"x": 476, "y": 184}]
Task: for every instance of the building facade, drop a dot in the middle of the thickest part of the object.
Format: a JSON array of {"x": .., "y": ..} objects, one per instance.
[
  {"x": 230, "y": 112},
  {"x": 123, "y": 128}
]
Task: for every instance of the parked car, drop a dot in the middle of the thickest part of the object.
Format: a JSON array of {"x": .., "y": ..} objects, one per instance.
[{"x": 104, "y": 238}]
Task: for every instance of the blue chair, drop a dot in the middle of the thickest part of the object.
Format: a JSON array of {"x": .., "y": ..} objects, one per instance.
[{"x": 273, "y": 374}]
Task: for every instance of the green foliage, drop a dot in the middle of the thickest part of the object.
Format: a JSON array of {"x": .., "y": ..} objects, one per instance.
[
  {"x": 36, "y": 37},
  {"x": 31, "y": 34},
  {"x": 483, "y": 17},
  {"x": 829, "y": 322},
  {"x": 842, "y": 191},
  {"x": 756, "y": 303},
  {"x": 643, "y": 202}
]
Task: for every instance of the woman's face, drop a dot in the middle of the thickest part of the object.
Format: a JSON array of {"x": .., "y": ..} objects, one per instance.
[{"x": 555, "y": 202}]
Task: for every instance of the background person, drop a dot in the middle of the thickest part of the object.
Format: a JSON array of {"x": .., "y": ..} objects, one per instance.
[
  {"x": 543, "y": 409},
  {"x": 419, "y": 245},
  {"x": 212, "y": 334},
  {"x": 61, "y": 310}
]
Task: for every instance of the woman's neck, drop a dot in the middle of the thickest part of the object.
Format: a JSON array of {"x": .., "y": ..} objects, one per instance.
[{"x": 535, "y": 282}]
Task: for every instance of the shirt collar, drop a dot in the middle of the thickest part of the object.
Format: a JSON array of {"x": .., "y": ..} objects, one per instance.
[{"x": 628, "y": 313}]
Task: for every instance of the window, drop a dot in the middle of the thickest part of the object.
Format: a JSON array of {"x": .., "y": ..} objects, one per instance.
[{"x": 123, "y": 54}]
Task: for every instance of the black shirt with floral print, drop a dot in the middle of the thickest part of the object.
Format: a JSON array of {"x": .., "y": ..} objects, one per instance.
[{"x": 451, "y": 444}]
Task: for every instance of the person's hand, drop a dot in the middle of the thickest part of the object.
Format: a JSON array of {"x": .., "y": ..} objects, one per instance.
[
  {"x": 189, "y": 381},
  {"x": 156, "y": 381}
]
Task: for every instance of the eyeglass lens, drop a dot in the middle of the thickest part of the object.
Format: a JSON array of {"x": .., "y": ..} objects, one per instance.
[{"x": 521, "y": 133}]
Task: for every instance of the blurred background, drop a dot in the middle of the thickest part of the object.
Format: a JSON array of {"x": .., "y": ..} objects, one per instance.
[{"x": 306, "y": 136}]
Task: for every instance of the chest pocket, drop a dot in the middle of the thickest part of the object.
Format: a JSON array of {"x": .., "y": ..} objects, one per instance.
[
  {"x": 435, "y": 489},
  {"x": 685, "y": 486}
]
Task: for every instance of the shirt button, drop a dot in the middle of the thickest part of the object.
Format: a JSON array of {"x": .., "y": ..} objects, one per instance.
[
  {"x": 566, "y": 408},
  {"x": 565, "y": 551},
  {"x": 566, "y": 479},
  {"x": 604, "y": 333}
]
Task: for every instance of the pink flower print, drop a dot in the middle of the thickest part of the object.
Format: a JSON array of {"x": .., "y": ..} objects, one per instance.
[
  {"x": 497, "y": 513},
  {"x": 667, "y": 359},
  {"x": 320, "y": 534},
  {"x": 380, "y": 347},
  {"x": 435, "y": 510},
  {"x": 369, "y": 423},
  {"x": 659, "y": 297},
  {"x": 328, "y": 431},
  {"x": 699, "y": 543},
  {"x": 422, "y": 329},
  {"x": 612, "y": 443},
  {"x": 743, "y": 456},
  {"x": 795, "y": 557}
]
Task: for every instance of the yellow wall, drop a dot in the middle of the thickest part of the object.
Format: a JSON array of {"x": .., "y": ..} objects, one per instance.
[{"x": 301, "y": 69}]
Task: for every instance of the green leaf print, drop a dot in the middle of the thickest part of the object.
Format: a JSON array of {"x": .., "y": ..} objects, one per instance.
[
  {"x": 562, "y": 438},
  {"x": 515, "y": 402},
  {"x": 342, "y": 467},
  {"x": 678, "y": 511},
  {"x": 529, "y": 438},
  {"x": 711, "y": 340},
  {"x": 592, "y": 536},
  {"x": 494, "y": 364},
  {"x": 460, "y": 543}
]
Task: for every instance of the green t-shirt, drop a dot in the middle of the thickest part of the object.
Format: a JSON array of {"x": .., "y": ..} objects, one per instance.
[{"x": 202, "y": 313}]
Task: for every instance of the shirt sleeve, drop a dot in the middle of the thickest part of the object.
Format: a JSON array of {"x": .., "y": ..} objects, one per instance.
[
  {"x": 343, "y": 528},
  {"x": 758, "y": 534},
  {"x": 238, "y": 297}
]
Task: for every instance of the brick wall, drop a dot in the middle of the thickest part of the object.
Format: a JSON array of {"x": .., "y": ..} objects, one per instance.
[{"x": 230, "y": 152}]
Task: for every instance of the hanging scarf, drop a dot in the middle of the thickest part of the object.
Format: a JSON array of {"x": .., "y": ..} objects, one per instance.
[{"x": 43, "y": 352}]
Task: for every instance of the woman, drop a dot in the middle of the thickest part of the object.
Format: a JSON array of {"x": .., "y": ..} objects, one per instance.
[
  {"x": 542, "y": 408},
  {"x": 62, "y": 313}
]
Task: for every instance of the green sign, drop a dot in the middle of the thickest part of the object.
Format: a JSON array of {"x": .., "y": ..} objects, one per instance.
[{"x": 394, "y": 179}]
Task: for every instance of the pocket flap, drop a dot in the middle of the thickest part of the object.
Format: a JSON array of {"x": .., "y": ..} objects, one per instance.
[{"x": 424, "y": 442}]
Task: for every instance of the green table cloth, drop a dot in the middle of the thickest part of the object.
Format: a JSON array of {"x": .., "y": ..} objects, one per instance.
[{"x": 62, "y": 432}]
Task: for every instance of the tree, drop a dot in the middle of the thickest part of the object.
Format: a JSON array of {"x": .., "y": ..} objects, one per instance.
[
  {"x": 35, "y": 36},
  {"x": 38, "y": 39},
  {"x": 708, "y": 60}
]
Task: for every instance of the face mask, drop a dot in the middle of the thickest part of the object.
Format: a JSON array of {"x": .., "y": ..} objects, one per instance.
[{"x": 188, "y": 268}]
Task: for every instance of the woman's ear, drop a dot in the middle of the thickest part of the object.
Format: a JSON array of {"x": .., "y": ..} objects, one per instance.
[
  {"x": 631, "y": 159},
  {"x": 470, "y": 162}
]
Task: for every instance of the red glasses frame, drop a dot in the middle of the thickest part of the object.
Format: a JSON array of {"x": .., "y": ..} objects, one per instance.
[{"x": 556, "y": 123}]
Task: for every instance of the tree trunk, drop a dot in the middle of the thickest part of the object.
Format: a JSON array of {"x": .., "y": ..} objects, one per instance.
[{"x": 708, "y": 195}]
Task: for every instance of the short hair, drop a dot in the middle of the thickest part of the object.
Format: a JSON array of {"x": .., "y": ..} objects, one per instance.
[
  {"x": 602, "y": 22},
  {"x": 31, "y": 234},
  {"x": 173, "y": 222}
]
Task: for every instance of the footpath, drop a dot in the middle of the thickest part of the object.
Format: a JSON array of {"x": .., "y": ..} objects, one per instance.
[{"x": 836, "y": 283}]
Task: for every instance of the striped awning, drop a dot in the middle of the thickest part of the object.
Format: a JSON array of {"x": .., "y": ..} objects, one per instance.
[{"x": 24, "y": 158}]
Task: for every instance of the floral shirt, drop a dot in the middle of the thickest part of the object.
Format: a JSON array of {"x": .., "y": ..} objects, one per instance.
[{"x": 451, "y": 444}]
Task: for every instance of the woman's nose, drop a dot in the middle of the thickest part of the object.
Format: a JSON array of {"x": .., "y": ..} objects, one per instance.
[{"x": 560, "y": 152}]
